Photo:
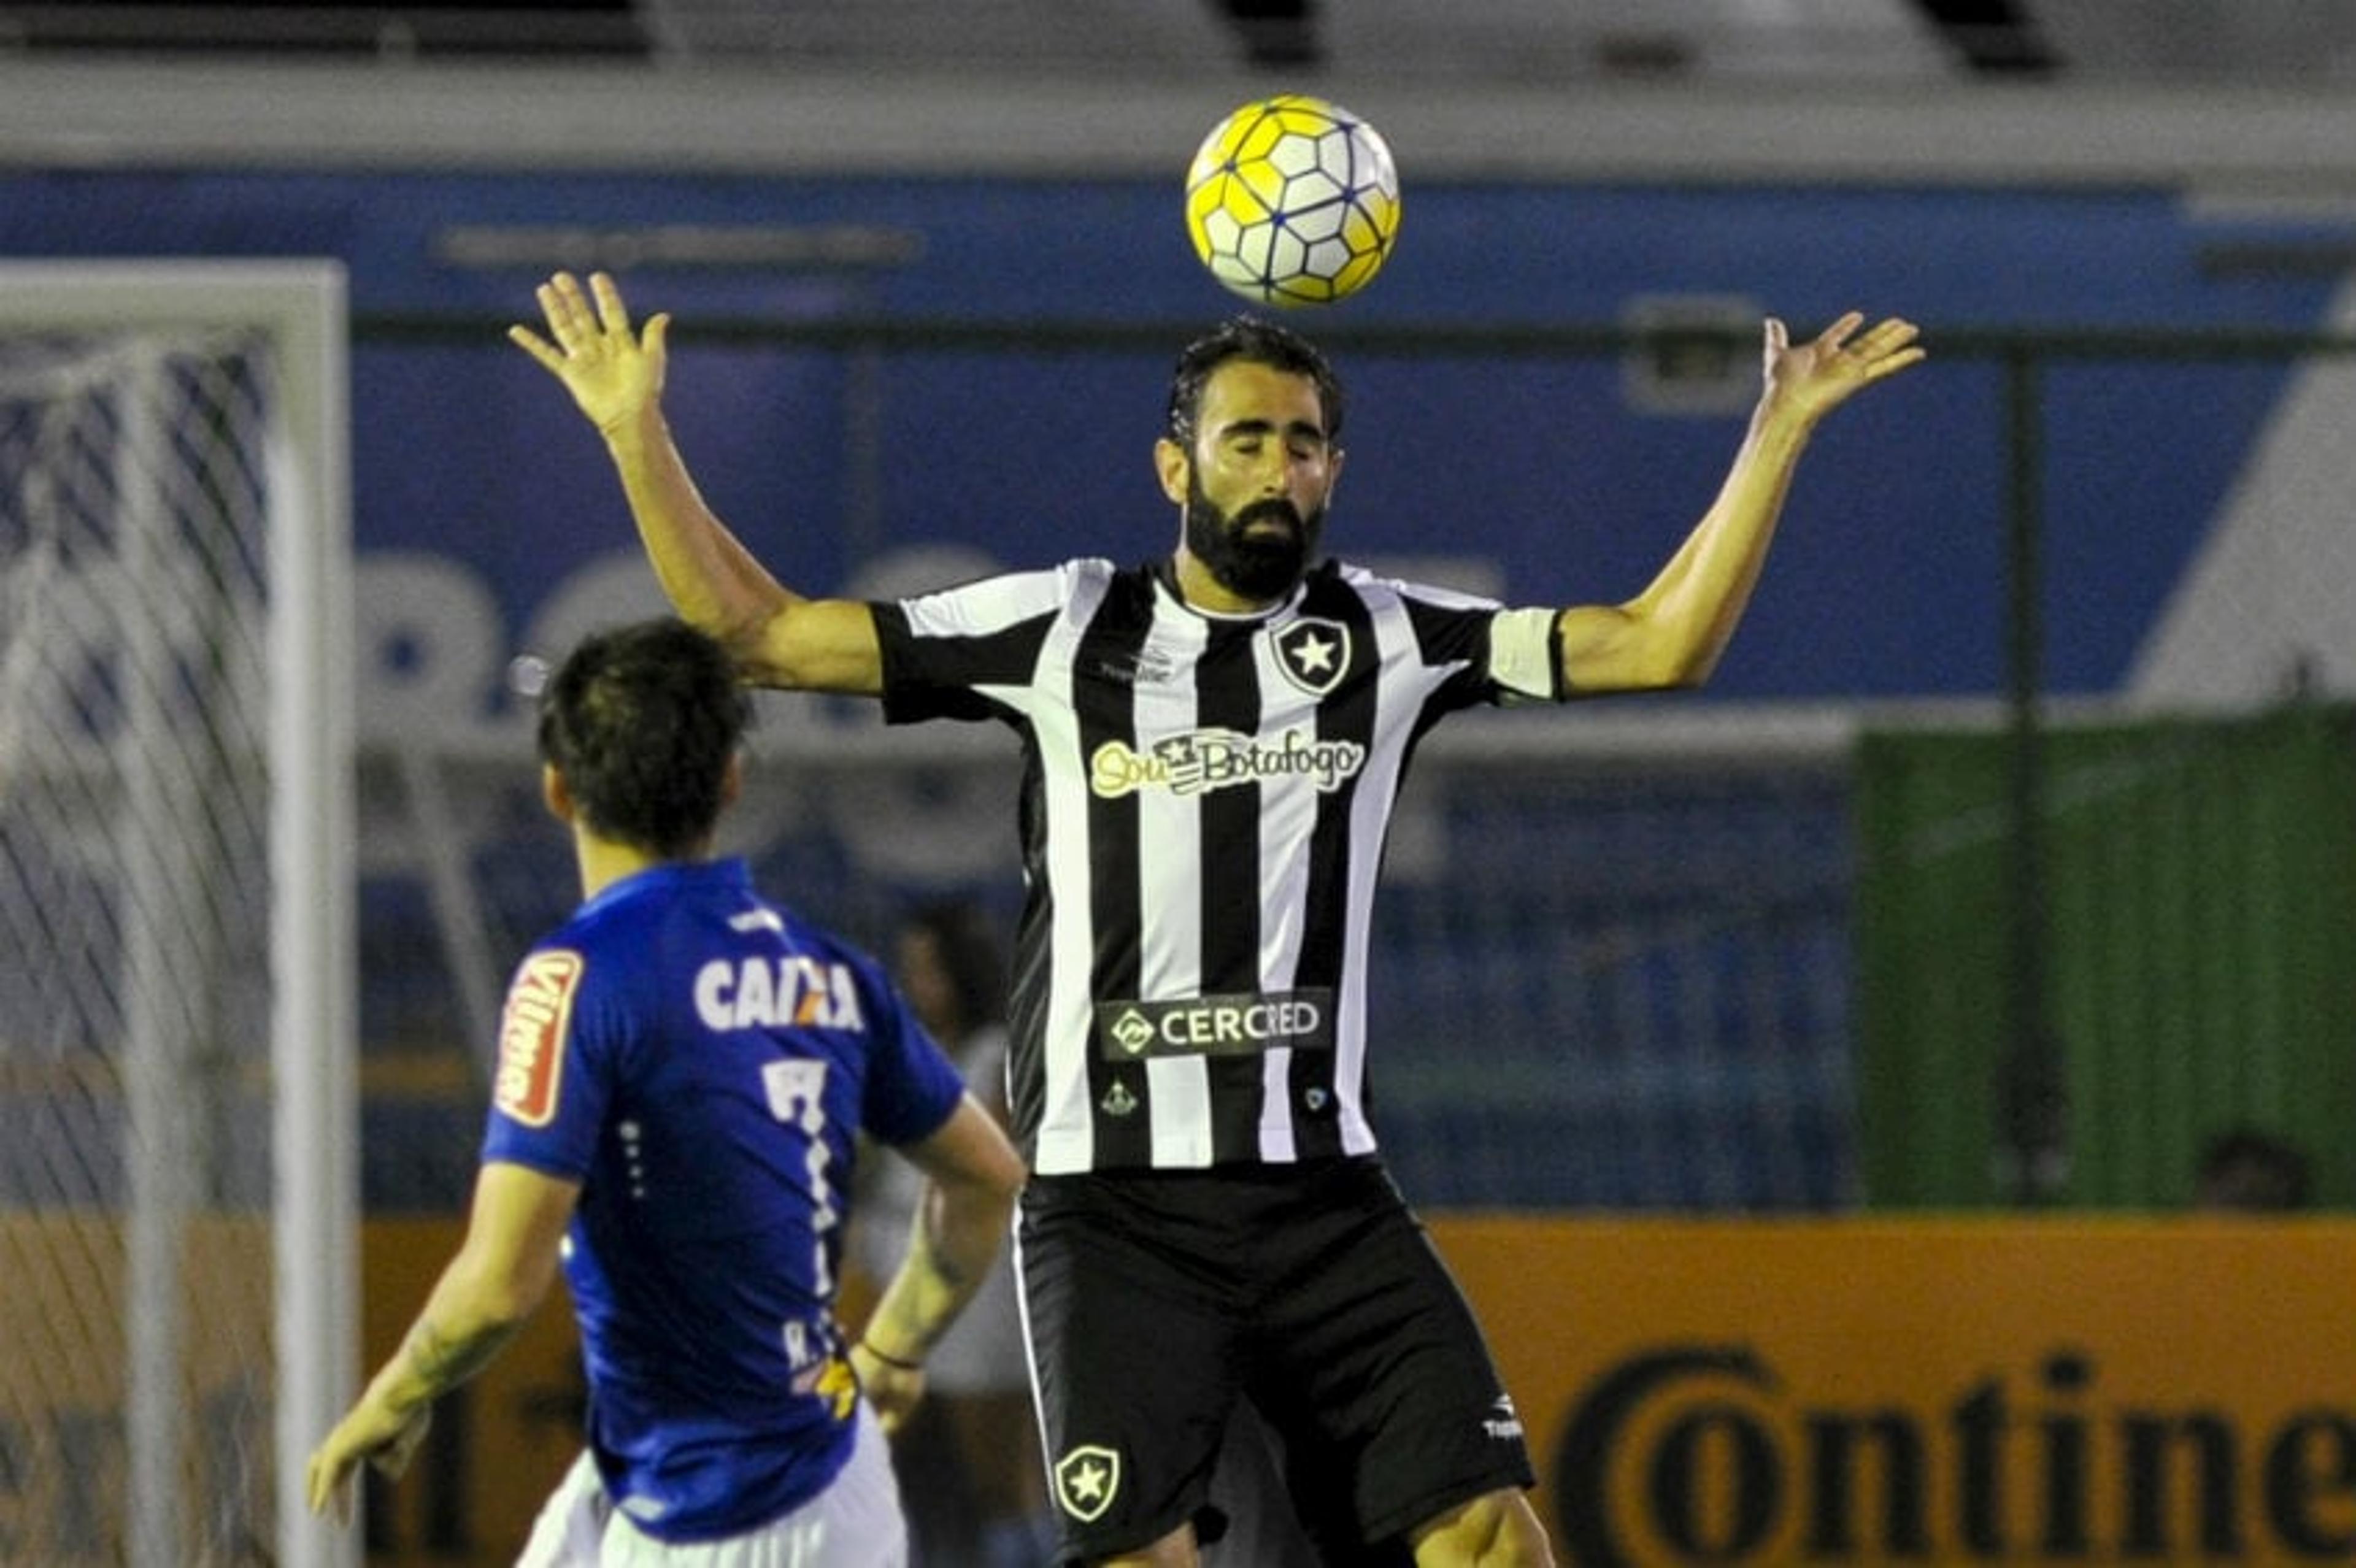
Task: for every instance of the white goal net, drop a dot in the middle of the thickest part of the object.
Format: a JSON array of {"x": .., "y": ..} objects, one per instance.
[{"x": 177, "y": 1209}]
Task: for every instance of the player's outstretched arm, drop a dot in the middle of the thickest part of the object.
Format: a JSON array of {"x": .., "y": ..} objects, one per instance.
[
  {"x": 974, "y": 1174},
  {"x": 1673, "y": 634},
  {"x": 501, "y": 1271},
  {"x": 615, "y": 377}
]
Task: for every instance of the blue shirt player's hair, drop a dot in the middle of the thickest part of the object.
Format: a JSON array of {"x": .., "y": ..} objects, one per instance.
[{"x": 643, "y": 722}]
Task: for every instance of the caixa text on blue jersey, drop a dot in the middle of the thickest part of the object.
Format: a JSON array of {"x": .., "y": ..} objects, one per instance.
[
  {"x": 765, "y": 990},
  {"x": 1698, "y": 1454}
]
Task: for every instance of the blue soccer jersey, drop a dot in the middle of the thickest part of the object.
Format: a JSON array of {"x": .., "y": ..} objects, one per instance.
[{"x": 702, "y": 1062}]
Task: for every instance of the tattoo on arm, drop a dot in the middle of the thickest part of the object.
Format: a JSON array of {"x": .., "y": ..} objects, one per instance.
[{"x": 439, "y": 1362}]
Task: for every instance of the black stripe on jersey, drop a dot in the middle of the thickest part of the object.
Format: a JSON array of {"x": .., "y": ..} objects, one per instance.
[
  {"x": 1030, "y": 987},
  {"x": 1348, "y": 714},
  {"x": 1120, "y": 1105},
  {"x": 1226, "y": 696}
]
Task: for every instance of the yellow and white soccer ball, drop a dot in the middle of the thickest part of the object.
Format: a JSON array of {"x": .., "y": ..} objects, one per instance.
[{"x": 1293, "y": 200}]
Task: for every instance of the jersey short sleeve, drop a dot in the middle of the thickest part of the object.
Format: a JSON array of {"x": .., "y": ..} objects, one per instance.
[
  {"x": 969, "y": 652},
  {"x": 912, "y": 1087},
  {"x": 549, "y": 1095},
  {"x": 1506, "y": 656}
]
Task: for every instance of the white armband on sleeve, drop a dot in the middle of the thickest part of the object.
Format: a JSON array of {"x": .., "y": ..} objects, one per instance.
[{"x": 1523, "y": 656}]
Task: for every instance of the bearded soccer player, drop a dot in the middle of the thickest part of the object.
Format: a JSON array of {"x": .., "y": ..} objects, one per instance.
[
  {"x": 1213, "y": 741},
  {"x": 684, "y": 1069}
]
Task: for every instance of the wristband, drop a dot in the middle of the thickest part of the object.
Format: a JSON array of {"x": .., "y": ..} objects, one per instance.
[{"x": 869, "y": 1346}]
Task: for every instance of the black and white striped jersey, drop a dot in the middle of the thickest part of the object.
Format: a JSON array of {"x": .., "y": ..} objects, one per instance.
[{"x": 1204, "y": 804}]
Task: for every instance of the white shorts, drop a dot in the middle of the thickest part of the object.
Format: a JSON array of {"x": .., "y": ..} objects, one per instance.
[{"x": 855, "y": 1523}]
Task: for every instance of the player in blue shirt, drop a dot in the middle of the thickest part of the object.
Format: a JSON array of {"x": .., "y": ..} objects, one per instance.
[{"x": 684, "y": 1072}]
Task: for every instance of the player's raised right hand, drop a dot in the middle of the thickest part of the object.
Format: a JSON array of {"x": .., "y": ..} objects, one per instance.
[{"x": 614, "y": 374}]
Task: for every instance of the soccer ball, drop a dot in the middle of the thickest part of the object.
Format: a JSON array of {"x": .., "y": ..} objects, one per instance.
[{"x": 1292, "y": 200}]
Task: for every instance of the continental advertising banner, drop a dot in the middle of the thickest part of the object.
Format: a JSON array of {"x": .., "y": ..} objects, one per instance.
[
  {"x": 1932, "y": 1392},
  {"x": 1741, "y": 1394}
]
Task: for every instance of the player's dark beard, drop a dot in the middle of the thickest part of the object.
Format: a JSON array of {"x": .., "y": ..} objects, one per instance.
[{"x": 1256, "y": 563}]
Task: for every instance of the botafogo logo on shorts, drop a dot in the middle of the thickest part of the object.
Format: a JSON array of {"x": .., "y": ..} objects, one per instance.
[{"x": 1087, "y": 1480}]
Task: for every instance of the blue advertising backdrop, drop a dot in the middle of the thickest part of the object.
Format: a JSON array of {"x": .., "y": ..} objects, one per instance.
[
  {"x": 1648, "y": 973},
  {"x": 1890, "y": 581}
]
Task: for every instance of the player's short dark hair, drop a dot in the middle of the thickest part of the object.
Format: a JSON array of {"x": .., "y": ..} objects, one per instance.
[
  {"x": 1251, "y": 340},
  {"x": 643, "y": 720}
]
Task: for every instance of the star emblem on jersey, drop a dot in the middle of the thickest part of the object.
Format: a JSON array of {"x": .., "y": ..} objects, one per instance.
[
  {"x": 1313, "y": 652},
  {"x": 1085, "y": 1481}
]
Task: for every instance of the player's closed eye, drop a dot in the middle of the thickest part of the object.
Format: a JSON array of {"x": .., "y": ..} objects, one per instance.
[{"x": 1299, "y": 448}]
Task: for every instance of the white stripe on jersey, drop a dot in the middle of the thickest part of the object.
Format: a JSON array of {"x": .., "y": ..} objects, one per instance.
[
  {"x": 1170, "y": 827},
  {"x": 1370, "y": 811},
  {"x": 1066, "y": 1128},
  {"x": 1276, "y": 1107},
  {"x": 1170, "y": 962},
  {"x": 1181, "y": 1129},
  {"x": 1285, "y": 825},
  {"x": 980, "y": 608}
]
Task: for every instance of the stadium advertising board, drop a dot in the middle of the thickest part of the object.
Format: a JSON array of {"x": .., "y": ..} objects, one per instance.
[
  {"x": 2028, "y": 1393},
  {"x": 1743, "y": 1393}
]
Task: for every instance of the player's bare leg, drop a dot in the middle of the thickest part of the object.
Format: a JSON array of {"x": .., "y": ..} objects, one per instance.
[
  {"x": 1496, "y": 1530},
  {"x": 1176, "y": 1550}
]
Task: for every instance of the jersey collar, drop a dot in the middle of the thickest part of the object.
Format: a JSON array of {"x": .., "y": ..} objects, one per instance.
[
  {"x": 667, "y": 876},
  {"x": 1165, "y": 579}
]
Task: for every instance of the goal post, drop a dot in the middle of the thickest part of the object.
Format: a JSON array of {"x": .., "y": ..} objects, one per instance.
[{"x": 176, "y": 745}]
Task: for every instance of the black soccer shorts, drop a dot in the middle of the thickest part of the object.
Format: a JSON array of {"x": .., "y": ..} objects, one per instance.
[{"x": 1155, "y": 1299}]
